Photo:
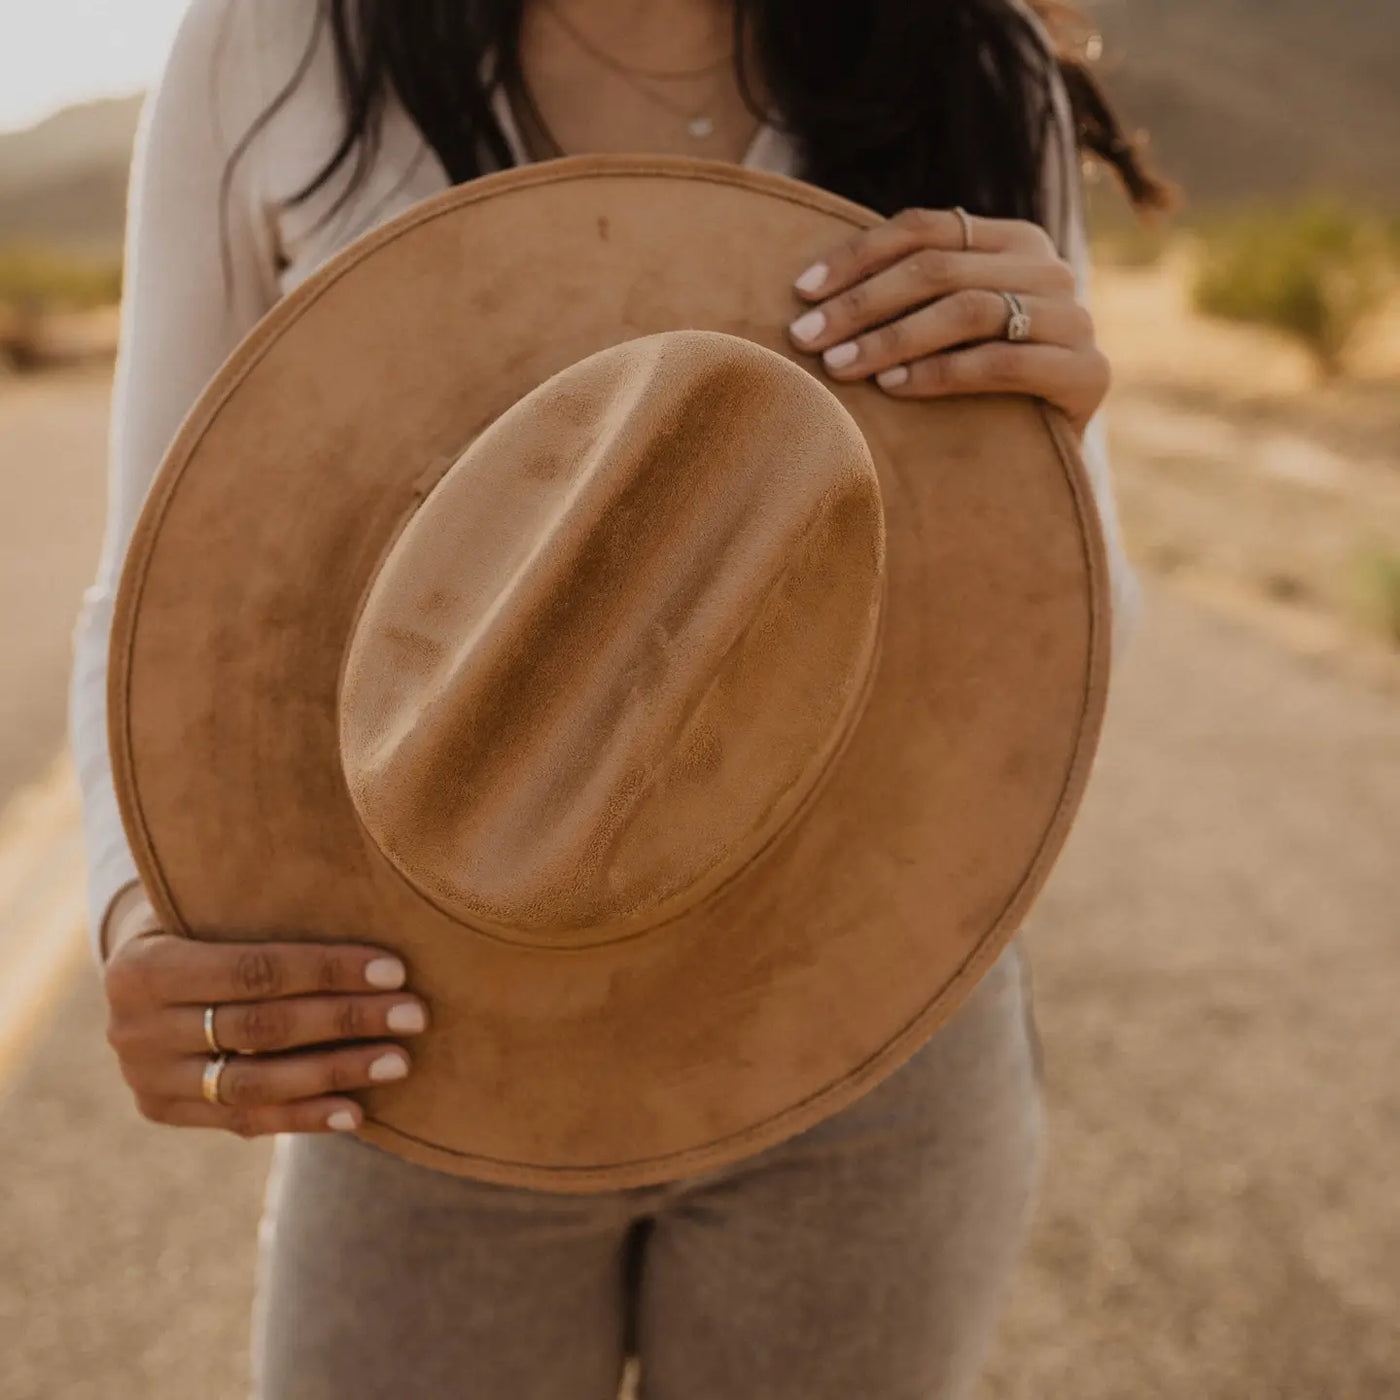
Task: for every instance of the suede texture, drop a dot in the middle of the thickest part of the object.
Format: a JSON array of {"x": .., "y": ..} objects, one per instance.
[
  {"x": 839, "y": 876},
  {"x": 617, "y": 646}
]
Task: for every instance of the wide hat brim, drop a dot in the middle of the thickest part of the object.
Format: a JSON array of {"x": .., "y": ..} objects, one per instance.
[{"x": 790, "y": 992}]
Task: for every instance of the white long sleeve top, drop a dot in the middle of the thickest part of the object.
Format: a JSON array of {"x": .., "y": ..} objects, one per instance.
[{"x": 231, "y": 61}]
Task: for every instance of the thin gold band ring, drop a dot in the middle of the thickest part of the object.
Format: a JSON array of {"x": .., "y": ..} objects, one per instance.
[
  {"x": 209, "y": 1081},
  {"x": 965, "y": 219},
  {"x": 210, "y": 1039}
]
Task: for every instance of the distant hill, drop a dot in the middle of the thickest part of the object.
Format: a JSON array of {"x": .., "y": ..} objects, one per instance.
[
  {"x": 1250, "y": 98},
  {"x": 1244, "y": 98},
  {"x": 64, "y": 181}
]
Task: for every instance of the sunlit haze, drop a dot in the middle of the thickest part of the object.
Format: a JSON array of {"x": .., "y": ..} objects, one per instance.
[{"x": 57, "y": 52}]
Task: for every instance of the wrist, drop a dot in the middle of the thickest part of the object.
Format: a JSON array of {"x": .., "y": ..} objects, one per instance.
[{"x": 129, "y": 915}]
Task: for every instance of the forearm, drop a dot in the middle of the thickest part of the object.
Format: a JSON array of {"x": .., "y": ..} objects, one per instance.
[
  {"x": 180, "y": 319},
  {"x": 110, "y": 865},
  {"x": 129, "y": 914}
]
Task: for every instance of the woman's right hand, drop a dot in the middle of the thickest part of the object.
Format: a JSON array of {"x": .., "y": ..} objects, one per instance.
[{"x": 289, "y": 1008}]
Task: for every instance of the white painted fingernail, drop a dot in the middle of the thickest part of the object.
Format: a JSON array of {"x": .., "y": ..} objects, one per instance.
[
  {"x": 892, "y": 378},
  {"x": 810, "y": 326},
  {"x": 839, "y": 356},
  {"x": 388, "y": 1067},
  {"x": 385, "y": 973},
  {"x": 813, "y": 278},
  {"x": 407, "y": 1018},
  {"x": 342, "y": 1121}
]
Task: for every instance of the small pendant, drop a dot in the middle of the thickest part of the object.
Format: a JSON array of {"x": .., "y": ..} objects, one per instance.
[{"x": 701, "y": 127}]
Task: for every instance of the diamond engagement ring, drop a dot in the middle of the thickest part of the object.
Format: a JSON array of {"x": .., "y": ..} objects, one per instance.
[{"x": 1018, "y": 325}]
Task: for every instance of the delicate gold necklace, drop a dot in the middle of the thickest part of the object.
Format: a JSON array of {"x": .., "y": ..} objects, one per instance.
[{"x": 698, "y": 121}]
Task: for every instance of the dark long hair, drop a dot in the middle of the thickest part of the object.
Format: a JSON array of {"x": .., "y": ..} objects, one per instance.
[{"x": 892, "y": 103}]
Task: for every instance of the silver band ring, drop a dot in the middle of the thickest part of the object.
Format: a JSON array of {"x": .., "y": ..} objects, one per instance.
[
  {"x": 965, "y": 219},
  {"x": 209, "y": 1082},
  {"x": 210, "y": 1039},
  {"x": 1018, "y": 325}
]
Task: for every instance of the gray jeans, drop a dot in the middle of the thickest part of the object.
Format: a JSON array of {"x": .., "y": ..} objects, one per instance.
[{"x": 868, "y": 1256}]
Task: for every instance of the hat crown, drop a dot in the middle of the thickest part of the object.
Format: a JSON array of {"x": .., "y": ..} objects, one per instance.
[{"x": 614, "y": 650}]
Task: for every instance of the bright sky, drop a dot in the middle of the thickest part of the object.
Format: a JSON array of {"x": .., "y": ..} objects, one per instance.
[{"x": 56, "y": 52}]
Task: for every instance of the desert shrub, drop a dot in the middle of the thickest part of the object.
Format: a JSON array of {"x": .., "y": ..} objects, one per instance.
[
  {"x": 1383, "y": 570},
  {"x": 34, "y": 279},
  {"x": 1315, "y": 273},
  {"x": 35, "y": 283}
]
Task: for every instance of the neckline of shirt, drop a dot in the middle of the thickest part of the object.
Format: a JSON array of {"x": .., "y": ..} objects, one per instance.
[{"x": 768, "y": 147}]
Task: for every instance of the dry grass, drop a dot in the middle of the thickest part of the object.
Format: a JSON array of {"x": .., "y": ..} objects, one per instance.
[
  {"x": 1242, "y": 470},
  {"x": 56, "y": 307}
]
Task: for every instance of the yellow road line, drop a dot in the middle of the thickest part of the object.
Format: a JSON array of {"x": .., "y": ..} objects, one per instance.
[{"x": 42, "y": 907}]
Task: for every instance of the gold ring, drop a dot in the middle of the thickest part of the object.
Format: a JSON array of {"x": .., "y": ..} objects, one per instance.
[
  {"x": 965, "y": 219},
  {"x": 210, "y": 1039},
  {"x": 213, "y": 1073},
  {"x": 1018, "y": 325}
]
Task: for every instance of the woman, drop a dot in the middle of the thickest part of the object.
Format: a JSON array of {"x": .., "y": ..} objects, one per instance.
[{"x": 870, "y": 1254}]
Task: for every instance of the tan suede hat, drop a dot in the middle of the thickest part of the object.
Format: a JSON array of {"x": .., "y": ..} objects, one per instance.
[{"x": 698, "y": 730}]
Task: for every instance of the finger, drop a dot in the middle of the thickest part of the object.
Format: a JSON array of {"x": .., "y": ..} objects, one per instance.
[
  {"x": 165, "y": 970},
  {"x": 324, "y": 1115},
  {"x": 876, "y": 248},
  {"x": 963, "y": 318},
  {"x": 1067, "y": 378},
  {"x": 918, "y": 280},
  {"x": 265, "y": 1027},
  {"x": 254, "y": 1081}
]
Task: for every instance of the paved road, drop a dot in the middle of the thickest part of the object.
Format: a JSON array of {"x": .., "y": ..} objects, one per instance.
[
  {"x": 1217, "y": 972},
  {"x": 52, "y": 497}
]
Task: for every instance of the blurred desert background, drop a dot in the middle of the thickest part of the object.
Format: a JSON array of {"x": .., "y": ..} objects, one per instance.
[{"x": 1216, "y": 960}]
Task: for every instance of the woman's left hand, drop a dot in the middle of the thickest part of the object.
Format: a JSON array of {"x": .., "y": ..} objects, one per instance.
[{"x": 906, "y": 303}]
